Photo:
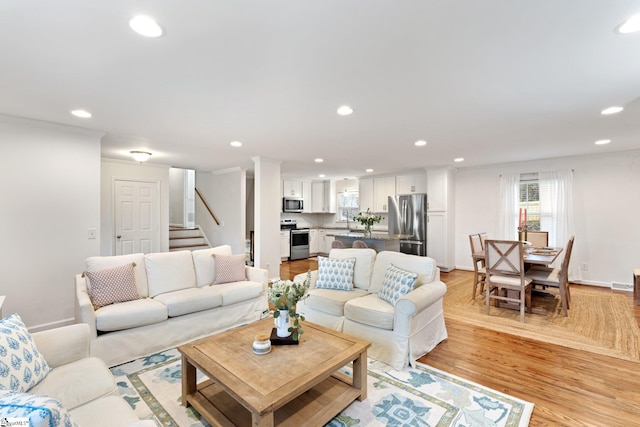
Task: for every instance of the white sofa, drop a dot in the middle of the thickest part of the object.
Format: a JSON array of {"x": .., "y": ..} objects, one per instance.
[
  {"x": 178, "y": 303},
  {"x": 81, "y": 384},
  {"x": 398, "y": 334}
]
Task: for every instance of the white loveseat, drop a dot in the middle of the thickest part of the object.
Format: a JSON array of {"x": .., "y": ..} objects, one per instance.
[
  {"x": 178, "y": 303},
  {"x": 82, "y": 386},
  {"x": 398, "y": 334}
]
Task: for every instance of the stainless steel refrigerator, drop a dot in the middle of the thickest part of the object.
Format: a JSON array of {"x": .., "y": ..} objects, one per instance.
[{"x": 408, "y": 215}]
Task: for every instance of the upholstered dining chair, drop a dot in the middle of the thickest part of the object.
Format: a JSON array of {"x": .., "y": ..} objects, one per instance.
[
  {"x": 538, "y": 239},
  {"x": 337, "y": 244},
  {"x": 483, "y": 237},
  {"x": 359, "y": 244},
  {"x": 477, "y": 256},
  {"x": 555, "y": 278},
  {"x": 505, "y": 272}
]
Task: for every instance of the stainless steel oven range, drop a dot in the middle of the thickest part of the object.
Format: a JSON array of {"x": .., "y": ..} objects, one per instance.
[{"x": 299, "y": 240}]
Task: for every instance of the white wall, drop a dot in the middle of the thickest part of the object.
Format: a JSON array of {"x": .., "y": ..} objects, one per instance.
[
  {"x": 224, "y": 192},
  {"x": 606, "y": 201},
  {"x": 176, "y": 196},
  {"x": 50, "y": 193},
  {"x": 268, "y": 204},
  {"x": 116, "y": 169}
]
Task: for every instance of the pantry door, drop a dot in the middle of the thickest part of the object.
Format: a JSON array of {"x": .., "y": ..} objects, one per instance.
[{"x": 137, "y": 217}]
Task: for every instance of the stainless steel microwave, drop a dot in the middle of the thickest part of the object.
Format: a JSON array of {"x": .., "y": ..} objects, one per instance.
[{"x": 292, "y": 204}]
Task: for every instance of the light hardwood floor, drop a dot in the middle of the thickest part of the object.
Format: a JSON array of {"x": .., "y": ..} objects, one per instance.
[{"x": 568, "y": 387}]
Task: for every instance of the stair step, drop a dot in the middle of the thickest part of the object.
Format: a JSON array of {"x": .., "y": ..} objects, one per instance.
[{"x": 187, "y": 247}]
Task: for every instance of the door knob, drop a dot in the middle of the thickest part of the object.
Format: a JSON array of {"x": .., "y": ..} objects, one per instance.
[{"x": 118, "y": 236}]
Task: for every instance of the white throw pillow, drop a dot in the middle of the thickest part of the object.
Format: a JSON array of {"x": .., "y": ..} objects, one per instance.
[
  {"x": 40, "y": 410},
  {"x": 335, "y": 273},
  {"x": 112, "y": 285},
  {"x": 397, "y": 282},
  {"x": 21, "y": 364}
]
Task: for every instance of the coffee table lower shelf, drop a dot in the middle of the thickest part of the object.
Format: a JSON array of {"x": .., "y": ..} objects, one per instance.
[{"x": 316, "y": 406}]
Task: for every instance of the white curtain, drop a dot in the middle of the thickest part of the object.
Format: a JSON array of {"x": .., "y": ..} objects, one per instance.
[
  {"x": 509, "y": 207},
  {"x": 556, "y": 208}
]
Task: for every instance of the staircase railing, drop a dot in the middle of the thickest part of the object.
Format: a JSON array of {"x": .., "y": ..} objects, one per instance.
[{"x": 204, "y": 202}]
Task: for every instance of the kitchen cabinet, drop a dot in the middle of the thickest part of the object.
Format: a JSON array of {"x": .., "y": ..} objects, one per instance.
[
  {"x": 324, "y": 242},
  {"x": 411, "y": 183},
  {"x": 306, "y": 197},
  {"x": 291, "y": 188},
  {"x": 365, "y": 194},
  {"x": 285, "y": 246},
  {"x": 322, "y": 197},
  {"x": 313, "y": 242},
  {"x": 382, "y": 189},
  {"x": 440, "y": 215},
  {"x": 440, "y": 189}
]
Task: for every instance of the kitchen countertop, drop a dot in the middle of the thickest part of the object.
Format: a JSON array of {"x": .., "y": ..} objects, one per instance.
[{"x": 374, "y": 236}]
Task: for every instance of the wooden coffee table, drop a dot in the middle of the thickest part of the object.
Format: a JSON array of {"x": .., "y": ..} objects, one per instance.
[{"x": 292, "y": 385}]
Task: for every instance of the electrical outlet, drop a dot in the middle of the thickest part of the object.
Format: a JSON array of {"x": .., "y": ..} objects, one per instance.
[
  {"x": 92, "y": 233},
  {"x": 584, "y": 266}
]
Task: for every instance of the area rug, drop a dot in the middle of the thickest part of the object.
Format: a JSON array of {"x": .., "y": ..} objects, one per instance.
[
  {"x": 421, "y": 396},
  {"x": 598, "y": 322}
]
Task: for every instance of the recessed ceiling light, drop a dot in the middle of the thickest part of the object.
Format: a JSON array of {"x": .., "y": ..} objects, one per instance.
[
  {"x": 459, "y": 159},
  {"x": 146, "y": 26},
  {"x": 318, "y": 160},
  {"x": 603, "y": 141},
  {"x": 631, "y": 25},
  {"x": 321, "y": 175},
  {"x": 369, "y": 170},
  {"x": 81, "y": 113},
  {"x": 345, "y": 110},
  {"x": 235, "y": 144},
  {"x": 420, "y": 143},
  {"x": 140, "y": 156},
  {"x": 611, "y": 110}
]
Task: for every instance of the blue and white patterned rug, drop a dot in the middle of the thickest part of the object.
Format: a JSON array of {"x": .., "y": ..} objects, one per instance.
[{"x": 421, "y": 396}]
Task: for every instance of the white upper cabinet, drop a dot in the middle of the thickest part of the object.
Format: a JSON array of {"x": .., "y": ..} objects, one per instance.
[
  {"x": 382, "y": 189},
  {"x": 440, "y": 188},
  {"x": 365, "y": 194},
  {"x": 306, "y": 197},
  {"x": 322, "y": 197},
  {"x": 411, "y": 183},
  {"x": 291, "y": 188}
]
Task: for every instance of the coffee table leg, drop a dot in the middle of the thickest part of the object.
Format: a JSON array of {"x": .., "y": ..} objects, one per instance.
[
  {"x": 360, "y": 375},
  {"x": 188, "y": 380},
  {"x": 262, "y": 421}
]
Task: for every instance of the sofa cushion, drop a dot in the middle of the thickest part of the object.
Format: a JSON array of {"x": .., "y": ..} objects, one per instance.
[
  {"x": 111, "y": 285},
  {"x": 397, "y": 282},
  {"x": 169, "y": 271},
  {"x": 370, "y": 310},
  {"x": 79, "y": 382},
  {"x": 233, "y": 293},
  {"x": 102, "y": 262},
  {"x": 335, "y": 273},
  {"x": 130, "y": 314},
  {"x": 40, "y": 410},
  {"x": 330, "y": 301},
  {"x": 21, "y": 364},
  {"x": 363, "y": 267},
  {"x": 425, "y": 267},
  {"x": 205, "y": 264},
  {"x": 230, "y": 268},
  {"x": 109, "y": 411},
  {"x": 188, "y": 301}
]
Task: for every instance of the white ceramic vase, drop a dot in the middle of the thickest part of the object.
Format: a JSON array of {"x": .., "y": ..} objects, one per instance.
[{"x": 282, "y": 324}]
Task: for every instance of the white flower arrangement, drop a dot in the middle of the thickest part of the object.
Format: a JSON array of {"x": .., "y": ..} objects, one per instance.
[{"x": 284, "y": 295}]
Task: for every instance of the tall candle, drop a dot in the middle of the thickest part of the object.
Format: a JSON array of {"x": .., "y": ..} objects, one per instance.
[
  {"x": 520, "y": 218},
  {"x": 525, "y": 217}
]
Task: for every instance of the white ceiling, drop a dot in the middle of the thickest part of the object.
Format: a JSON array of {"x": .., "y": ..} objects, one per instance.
[{"x": 492, "y": 81}]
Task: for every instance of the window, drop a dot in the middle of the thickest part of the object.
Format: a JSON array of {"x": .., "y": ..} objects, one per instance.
[
  {"x": 348, "y": 206},
  {"x": 530, "y": 199}
]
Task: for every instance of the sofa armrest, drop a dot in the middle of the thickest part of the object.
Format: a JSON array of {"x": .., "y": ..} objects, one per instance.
[
  {"x": 63, "y": 345},
  {"x": 299, "y": 278},
  {"x": 256, "y": 274},
  {"x": 84, "y": 307},
  {"x": 420, "y": 298}
]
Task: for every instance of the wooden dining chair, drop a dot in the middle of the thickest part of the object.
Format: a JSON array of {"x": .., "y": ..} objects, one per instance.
[
  {"x": 555, "y": 280},
  {"x": 505, "y": 272},
  {"x": 477, "y": 256},
  {"x": 483, "y": 237},
  {"x": 538, "y": 239},
  {"x": 359, "y": 244}
]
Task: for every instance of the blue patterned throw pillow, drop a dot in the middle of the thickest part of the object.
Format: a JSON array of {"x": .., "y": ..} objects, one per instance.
[
  {"x": 396, "y": 282},
  {"x": 21, "y": 364},
  {"x": 335, "y": 273},
  {"x": 40, "y": 410}
]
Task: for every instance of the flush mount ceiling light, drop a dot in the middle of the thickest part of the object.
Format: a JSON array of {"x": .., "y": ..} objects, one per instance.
[
  {"x": 345, "y": 110},
  {"x": 369, "y": 170},
  {"x": 321, "y": 175},
  {"x": 611, "y": 110},
  {"x": 631, "y": 25},
  {"x": 81, "y": 113},
  {"x": 318, "y": 160},
  {"x": 146, "y": 26},
  {"x": 420, "y": 143},
  {"x": 235, "y": 144},
  {"x": 458, "y": 159},
  {"x": 603, "y": 141},
  {"x": 140, "y": 156}
]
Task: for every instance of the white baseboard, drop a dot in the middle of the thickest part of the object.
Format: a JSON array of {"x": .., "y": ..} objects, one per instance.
[{"x": 52, "y": 325}]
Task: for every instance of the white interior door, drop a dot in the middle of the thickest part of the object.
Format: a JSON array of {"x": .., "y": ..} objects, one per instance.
[{"x": 136, "y": 217}]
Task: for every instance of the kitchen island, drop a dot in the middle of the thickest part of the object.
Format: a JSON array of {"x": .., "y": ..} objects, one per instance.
[{"x": 378, "y": 240}]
